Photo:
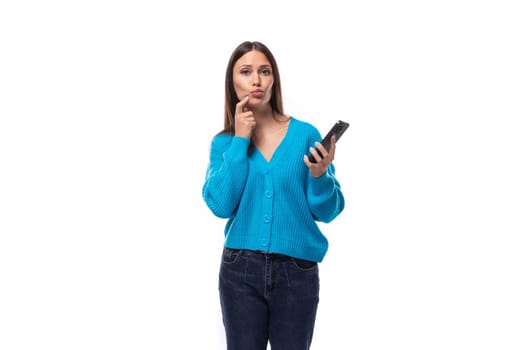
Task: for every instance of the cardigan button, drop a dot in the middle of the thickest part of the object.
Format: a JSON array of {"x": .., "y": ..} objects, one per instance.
[
  {"x": 268, "y": 194},
  {"x": 267, "y": 218}
]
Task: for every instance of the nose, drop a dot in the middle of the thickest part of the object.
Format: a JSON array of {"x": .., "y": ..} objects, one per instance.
[{"x": 256, "y": 80}]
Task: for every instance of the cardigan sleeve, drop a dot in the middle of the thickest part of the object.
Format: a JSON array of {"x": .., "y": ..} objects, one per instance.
[
  {"x": 325, "y": 197},
  {"x": 226, "y": 174}
]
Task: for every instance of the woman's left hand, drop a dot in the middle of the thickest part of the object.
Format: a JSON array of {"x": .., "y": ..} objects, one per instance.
[{"x": 322, "y": 156}]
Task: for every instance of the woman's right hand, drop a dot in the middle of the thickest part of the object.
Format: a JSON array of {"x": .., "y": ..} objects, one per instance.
[{"x": 244, "y": 119}]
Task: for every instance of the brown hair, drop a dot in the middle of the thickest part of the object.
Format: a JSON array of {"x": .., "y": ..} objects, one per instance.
[{"x": 230, "y": 97}]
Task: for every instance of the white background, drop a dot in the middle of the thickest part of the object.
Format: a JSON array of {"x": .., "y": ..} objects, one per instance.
[{"x": 107, "y": 109}]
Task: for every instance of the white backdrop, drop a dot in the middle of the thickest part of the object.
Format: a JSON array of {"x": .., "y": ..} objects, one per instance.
[{"x": 107, "y": 109}]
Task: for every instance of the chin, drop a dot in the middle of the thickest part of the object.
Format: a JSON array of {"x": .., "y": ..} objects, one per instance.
[{"x": 257, "y": 105}]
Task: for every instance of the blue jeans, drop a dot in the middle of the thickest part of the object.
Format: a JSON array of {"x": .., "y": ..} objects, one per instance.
[{"x": 267, "y": 297}]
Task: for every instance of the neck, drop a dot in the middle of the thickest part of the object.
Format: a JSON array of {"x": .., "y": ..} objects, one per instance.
[{"x": 263, "y": 114}]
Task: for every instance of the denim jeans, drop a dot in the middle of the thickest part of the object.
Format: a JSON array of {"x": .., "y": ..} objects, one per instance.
[{"x": 267, "y": 297}]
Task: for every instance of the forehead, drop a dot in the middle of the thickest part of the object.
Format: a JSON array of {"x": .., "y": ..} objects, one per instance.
[{"x": 252, "y": 58}]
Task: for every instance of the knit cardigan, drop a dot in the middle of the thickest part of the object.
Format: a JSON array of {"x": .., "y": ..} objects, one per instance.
[{"x": 272, "y": 206}]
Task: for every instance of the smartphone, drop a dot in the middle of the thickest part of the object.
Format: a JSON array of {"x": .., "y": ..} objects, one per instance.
[{"x": 338, "y": 130}]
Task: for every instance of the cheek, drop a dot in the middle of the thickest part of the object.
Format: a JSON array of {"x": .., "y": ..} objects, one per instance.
[
  {"x": 270, "y": 91},
  {"x": 240, "y": 90},
  {"x": 270, "y": 86},
  {"x": 240, "y": 94}
]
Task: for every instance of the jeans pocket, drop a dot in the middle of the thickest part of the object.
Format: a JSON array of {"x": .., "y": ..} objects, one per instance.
[
  {"x": 304, "y": 265},
  {"x": 230, "y": 256}
]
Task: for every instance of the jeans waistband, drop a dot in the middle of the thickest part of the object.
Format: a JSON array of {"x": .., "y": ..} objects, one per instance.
[{"x": 259, "y": 253}]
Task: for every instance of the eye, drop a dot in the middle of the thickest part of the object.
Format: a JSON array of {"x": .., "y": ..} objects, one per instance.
[
  {"x": 266, "y": 71},
  {"x": 245, "y": 72}
]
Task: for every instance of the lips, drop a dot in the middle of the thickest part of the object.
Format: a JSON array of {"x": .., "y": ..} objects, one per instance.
[{"x": 257, "y": 93}]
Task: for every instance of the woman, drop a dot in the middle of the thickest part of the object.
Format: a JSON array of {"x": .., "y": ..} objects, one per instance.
[{"x": 259, "y": 177}]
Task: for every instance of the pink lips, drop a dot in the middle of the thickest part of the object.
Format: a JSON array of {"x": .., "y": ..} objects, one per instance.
[{"x": 257, "y": 93}]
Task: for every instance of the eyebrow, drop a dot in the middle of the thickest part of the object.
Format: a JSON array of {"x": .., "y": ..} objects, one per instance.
[{"x": 262, "y": 66}]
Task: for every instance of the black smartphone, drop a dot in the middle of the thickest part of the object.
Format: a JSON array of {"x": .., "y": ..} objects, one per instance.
[{"x": 338, "y": 130}]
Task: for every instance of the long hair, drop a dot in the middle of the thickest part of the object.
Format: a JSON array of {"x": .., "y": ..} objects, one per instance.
[{"x": 230, "y": 97}]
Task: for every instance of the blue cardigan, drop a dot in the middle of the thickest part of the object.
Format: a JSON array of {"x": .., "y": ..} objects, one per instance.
[{"x": 272, "y": 206}]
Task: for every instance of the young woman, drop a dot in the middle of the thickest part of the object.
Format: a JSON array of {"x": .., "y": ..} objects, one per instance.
[{"x": 259, "y": 177}]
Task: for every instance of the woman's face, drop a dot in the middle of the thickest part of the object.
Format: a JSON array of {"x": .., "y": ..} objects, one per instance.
[{"x": 253, "y": 77}]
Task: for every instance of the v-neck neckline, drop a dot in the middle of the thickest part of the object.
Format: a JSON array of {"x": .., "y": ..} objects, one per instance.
[{"x": 279, "y": 146}]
